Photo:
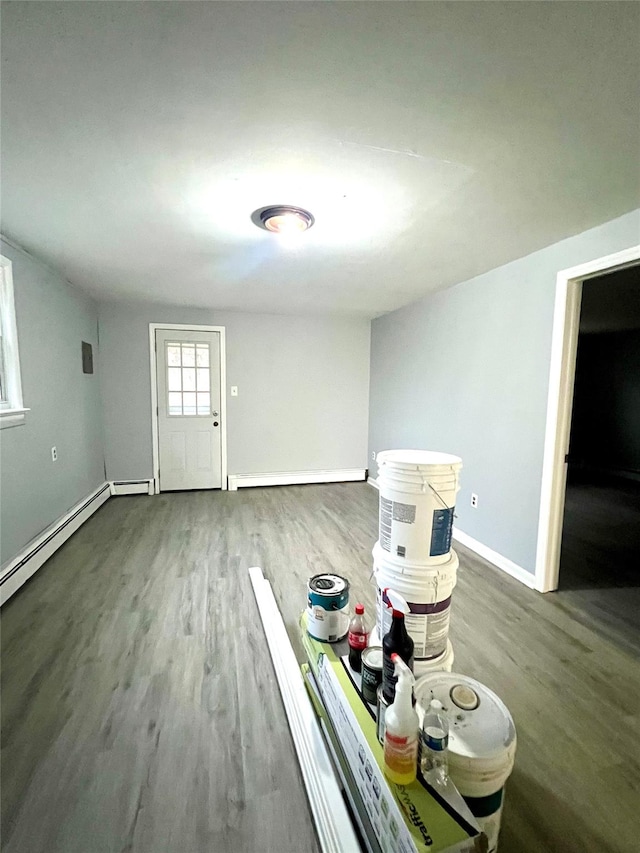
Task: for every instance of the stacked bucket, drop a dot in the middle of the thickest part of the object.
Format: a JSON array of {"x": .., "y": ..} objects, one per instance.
[{"x": 413, "y": 555}]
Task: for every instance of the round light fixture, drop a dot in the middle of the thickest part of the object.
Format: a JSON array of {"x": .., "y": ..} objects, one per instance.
[{"x": 284, "y": 219}]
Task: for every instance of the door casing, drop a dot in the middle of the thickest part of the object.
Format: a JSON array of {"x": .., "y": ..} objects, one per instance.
[
  {"x": 188, "y": 327},
  {"x": 564, "y": 347}
]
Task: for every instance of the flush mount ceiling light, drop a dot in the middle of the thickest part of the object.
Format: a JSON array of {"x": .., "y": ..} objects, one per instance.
[{"x": 283, "y": 219}]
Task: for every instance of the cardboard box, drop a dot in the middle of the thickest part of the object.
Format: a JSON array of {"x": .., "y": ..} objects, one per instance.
[{"x": 414, "y": 818}]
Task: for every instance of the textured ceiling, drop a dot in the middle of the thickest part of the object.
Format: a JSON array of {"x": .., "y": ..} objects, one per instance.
[{"x": 432, "y": 142}]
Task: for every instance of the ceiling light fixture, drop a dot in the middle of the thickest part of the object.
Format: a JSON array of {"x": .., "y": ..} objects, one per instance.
[{"x": 284, "y": 219}]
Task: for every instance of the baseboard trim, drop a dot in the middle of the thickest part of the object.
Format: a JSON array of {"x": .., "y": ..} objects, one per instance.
[
  {"x": 132, "y": 487},
  {"x": 511, "y": 568},
  {"x": 25, "y": 564},
  {"x": 295, "y": 478},
  {"x": 373, "y": 482}
]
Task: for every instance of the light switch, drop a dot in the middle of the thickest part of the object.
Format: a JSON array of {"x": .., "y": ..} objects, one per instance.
[{"x": 234, "y": 390}]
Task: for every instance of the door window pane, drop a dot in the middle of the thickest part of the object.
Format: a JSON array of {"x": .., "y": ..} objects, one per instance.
[
  {"x": 188, "y": 355},
  {"x": 203, "y": 379},
  {"x": 188, "y": 403},
  {"x": 173, "y": 355},
  {"x": 175, "y": 383},
  {"x": 175, "y": 404},
  {"x": 188, "y": 379},
  {"x": 184, "y": 379}
]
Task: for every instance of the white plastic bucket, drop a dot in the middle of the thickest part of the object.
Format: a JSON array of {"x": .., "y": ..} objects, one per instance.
[
  {"x": 443, "y": 662},
  {"x": 427, "y": 591},
  {"x": 418, "y": 491},
  {"x": 482, "y": 743}
]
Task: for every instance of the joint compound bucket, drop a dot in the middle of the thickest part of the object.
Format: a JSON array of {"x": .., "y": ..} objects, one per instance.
[
  {"x": 427, "y": 591},
  {"x": 327, "y": 607},
  {"x": 418, "y": 491},
  {"x": 482, "y": 743}
]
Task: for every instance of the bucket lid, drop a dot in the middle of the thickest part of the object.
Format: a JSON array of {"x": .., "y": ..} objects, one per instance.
[
  {"x": 413, "y": 458},
  {"x": 480, "y": 725}
]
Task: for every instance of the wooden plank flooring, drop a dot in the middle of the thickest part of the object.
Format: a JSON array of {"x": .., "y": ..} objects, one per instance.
[{"x": 141, "y": 714}]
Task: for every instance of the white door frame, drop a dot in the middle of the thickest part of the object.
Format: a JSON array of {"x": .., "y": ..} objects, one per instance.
[
  {"x": 564, "y": 346},
  {"x": 187, "y": 327}
]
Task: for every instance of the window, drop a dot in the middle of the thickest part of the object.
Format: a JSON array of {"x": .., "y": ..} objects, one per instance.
[
  {"x": 12, "y": 411},
  {"x": 188, "y": 378}
]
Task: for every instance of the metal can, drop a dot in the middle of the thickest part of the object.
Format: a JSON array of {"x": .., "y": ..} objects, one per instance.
[
  {"x": 371, "y": 673},
  {"x": 381, "y": 712},
  {"x": 327, "y": 607}
]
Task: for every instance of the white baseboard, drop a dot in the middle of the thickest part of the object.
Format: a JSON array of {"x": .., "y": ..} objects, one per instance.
[
  {"x": 373, "y": 482},
  {"x": 132, "y": 487},
  {"x": 295, "y": 478},
  {"x": 511, "y": 568},
  {"x": 28, "y": 561}
]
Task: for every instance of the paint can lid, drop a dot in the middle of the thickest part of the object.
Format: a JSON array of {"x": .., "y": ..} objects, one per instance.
[
  {"x": 328, "y": 584},
  {"x": 372, "y": 657}
]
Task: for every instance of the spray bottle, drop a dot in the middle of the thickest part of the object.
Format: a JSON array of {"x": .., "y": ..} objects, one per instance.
[
  {"x": 401, "y": 729},
  {"x": 396, "y": 641}
]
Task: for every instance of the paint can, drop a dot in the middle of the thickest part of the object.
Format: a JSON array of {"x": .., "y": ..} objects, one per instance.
[
  {"x": 380, "y": 716},
  {"x": 327, "y": 607},
  {"x": 371, "y": 673}
]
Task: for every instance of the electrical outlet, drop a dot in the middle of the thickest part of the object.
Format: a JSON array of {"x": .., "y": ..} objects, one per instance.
[
  {"x": 373, "y": 455},
  {"x": 54, "y": 454},
  {"x": 234, "y": 390},
  {"x": 474, "y": 501}
]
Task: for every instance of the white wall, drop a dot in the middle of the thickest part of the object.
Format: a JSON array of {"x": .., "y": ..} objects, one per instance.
[
  {"x": 466, "y": 370},
  {"x": 303, "y": 389},
  {"x": 53, "y": 319}
]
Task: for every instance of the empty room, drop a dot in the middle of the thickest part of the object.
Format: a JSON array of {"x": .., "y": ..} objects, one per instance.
[{"x": 320, "y": 427}]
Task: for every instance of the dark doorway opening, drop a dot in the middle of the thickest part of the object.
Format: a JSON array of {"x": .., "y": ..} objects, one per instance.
[{"x": 600, "y": 553}]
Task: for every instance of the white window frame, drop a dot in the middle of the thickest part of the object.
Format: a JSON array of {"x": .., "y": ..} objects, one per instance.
[{"x": 12, "y": 410}]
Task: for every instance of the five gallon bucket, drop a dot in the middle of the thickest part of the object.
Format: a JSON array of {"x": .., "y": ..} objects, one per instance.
[
  {"x": 482, "y": 743},
  {"x": 418, "y": 491},
  {"x": 427, "y": 591}
]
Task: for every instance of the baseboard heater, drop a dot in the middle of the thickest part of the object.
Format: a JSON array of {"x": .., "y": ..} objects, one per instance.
[
  {"x": 296, "y": 478},
  {"x": 18, "y": 570},
  {"x": 131, "y": 487}
]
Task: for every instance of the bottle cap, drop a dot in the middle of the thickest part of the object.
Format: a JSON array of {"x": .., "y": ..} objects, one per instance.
[{"x": 360, "y": 609}]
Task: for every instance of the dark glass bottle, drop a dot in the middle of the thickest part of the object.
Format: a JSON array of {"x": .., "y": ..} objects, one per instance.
[{"x": 398, "y": 641}]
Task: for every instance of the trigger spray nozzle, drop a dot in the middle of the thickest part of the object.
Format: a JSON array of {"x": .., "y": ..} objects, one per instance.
[
  {"x": 402, "y": 672},
  {"x": 397, "y": 602}
]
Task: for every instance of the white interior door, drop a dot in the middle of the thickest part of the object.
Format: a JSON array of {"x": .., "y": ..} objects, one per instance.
[{"x": 189, "y": 432}]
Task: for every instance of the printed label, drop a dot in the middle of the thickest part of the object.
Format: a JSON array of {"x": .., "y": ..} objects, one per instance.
[
  {"x": 441, "y": 531},
  {"x": 406, "y": 513},
  {"x": 428, "y": 627},
  {"x": 358, "y": 641},
  {"x": 386, "y": 515}
]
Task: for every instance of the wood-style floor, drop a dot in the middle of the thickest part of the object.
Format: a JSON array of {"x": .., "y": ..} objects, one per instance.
[
  {"x": 600, "y": 557},
  {"x": 141, "y": 713}
]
